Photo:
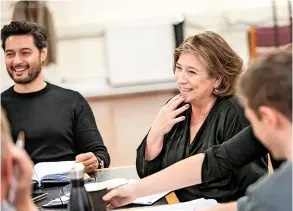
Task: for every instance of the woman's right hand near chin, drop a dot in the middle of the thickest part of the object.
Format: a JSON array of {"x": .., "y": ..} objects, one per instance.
[
  {"x": 167, "y": 116},
  {"x": 166, "y": 119}
]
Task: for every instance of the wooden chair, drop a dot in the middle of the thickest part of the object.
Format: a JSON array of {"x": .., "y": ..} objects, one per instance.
[{"x": 263, "y": 39}]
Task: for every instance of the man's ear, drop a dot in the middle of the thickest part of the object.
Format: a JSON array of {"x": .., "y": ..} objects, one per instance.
[
  {"x": 269, "y": 116},
  {"x": 44, "y": 53}
]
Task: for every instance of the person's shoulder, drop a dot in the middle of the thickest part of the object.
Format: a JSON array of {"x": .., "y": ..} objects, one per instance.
[
  {"x": 282, "y": 175},
  {"x": 229, "y": 107},
  {"x": 67, "y": 93},
  {"x": 8, "y": 92},
  {"x": 60, "y": 89},
  {"x": 230, "y": 104},
  {"x": 7, "y": 96},
  {"x": 278, "y": 184}
]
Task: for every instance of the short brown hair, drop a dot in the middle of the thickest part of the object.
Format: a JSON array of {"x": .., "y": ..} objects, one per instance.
[
  {"x": 221, "y": 59},
  {"x": 5, "y": 134},
  {"x": 21, "y": 27},
  {"x": 268, "y": 81}
]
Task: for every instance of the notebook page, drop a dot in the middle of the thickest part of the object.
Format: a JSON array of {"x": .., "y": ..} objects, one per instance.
[
  {"x": 46, "y": 168},
  {"x": 34, "y": 177},
  {"x": 191, "y": 205}
]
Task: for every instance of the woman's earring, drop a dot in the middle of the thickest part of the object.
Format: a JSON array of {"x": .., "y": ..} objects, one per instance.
[{"x": 216, "y": 91}]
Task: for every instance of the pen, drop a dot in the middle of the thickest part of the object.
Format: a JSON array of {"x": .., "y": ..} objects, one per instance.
[{"x": 19, "y": 144}]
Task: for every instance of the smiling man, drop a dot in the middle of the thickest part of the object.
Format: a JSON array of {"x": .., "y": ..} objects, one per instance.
[{"x": 58, "y": 123}]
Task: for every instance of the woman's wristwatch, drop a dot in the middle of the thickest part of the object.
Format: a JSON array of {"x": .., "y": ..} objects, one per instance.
[{"x": 101, "y": 163}]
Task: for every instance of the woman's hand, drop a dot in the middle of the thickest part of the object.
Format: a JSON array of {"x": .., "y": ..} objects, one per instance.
[
  {"x": 166, "y": 118},
  {"x": 164, "y": 122}
]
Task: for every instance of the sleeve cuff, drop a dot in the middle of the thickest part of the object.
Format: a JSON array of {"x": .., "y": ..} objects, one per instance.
[
  {"x": 150, "y": 164},
  {"x": 147, "y": 167},
  {"x": 208, "y": 172}
]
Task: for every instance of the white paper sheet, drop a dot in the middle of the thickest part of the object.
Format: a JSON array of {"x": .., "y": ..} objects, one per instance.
[{"x": 188, "y": 206}]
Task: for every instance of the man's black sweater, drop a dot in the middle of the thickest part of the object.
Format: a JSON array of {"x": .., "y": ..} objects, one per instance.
[{"x": 58, "y": 124}]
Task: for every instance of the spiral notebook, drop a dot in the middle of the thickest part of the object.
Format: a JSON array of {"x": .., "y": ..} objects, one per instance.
[{"x": 52, "y": 172}]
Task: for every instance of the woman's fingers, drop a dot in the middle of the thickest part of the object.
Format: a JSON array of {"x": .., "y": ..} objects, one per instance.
[
  {"x": 180, "y": 110},
  {"x": 176, "y": 102},
  {"x": 179, "y": 119},
  {"x": 172, "y": 100}
]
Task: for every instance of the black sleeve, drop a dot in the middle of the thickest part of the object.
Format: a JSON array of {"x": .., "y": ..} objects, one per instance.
[
  {"x": 88, "y": 137},
  {"x": 240, "y": 150},
  {"x": 144, "y": 167},
  {"x": 147, "y": 167}
]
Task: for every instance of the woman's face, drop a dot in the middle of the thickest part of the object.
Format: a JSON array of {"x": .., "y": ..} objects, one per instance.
[{"x": 192, "y": 78}]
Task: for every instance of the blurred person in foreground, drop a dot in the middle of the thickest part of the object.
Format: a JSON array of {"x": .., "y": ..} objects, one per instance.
[
  {"x": 12, "y": 157},
  {"x": 268, "y": 106}
]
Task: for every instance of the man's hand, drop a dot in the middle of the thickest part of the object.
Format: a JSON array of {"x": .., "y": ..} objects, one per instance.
[
  {"x": 24, "y": 164},
  {"x": 89, "y": 161},
  {"x": 121, "y": 196}
]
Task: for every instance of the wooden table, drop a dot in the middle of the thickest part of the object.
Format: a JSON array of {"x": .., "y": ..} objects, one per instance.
[{"x": 127, "y": 172}]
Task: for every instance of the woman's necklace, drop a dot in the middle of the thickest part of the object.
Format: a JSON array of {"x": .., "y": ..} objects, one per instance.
[{"x": 205, "y": 113}]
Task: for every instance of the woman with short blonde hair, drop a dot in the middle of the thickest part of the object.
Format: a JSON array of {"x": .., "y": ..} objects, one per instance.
[{"x": 204, "y": 114}]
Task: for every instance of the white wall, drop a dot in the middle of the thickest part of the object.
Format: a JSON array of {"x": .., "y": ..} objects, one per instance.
[{"x": 79, "y": 24}]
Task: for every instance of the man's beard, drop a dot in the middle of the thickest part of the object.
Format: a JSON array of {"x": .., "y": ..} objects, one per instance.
[{"x": 32, "y": 75}]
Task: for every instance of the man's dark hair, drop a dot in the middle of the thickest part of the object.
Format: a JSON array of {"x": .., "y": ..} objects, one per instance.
[
  {"x": 268, "y": 81},
  {"x": 25, "y": 28}
]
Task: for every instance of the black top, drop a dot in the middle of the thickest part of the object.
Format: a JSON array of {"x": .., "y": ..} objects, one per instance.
[
  {"x": 233, "y": 154},
  {"x": 225, "y": 119},
  {"x": 58, "y": 124}
]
